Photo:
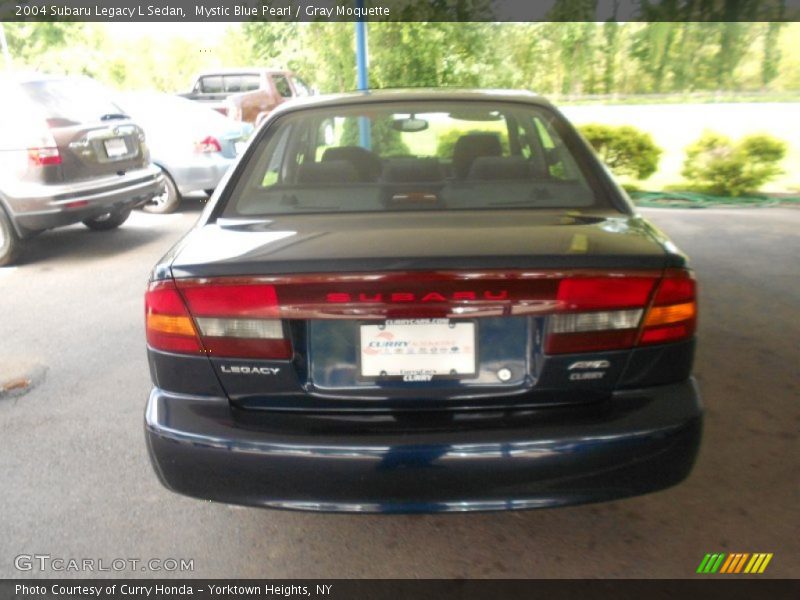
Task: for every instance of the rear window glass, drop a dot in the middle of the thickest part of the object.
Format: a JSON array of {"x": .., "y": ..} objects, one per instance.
[
  {"x": 241, "y": 83},
  {"x": 250, "y": 83},
  {"x": 397, "y": 156},
  {"x": 212, "y": 84},
  {"x": 282, "y": 85},
  {"x": 66, "y": 101}
]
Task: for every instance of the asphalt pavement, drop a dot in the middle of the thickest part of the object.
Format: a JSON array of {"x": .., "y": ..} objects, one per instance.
[{"x": 75, "y": 479}]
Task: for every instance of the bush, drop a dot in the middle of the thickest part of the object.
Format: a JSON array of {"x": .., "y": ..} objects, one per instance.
[
  {"x": 716, "y": 165},
  {"x": 627, "y": 151}
]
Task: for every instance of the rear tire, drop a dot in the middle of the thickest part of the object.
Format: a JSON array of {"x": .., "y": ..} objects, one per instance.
[
  {"x": 166, "y": 202},
  {"x": 108, "y": 221},
  {"x": 9, "y": 241}
]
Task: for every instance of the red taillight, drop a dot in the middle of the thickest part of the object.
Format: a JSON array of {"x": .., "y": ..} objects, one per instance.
[
  {"x": 597, "y": 313},
  {"x": 669, "y": 318},
  {"x": 168, "y": 324},
  {"x": 237, "y": 320},
  {"x": 208, "y": 144},
  {"x": 42, "y": 157},
  {"x": 597, "y": 293},
  {"x": 213, "y": 300},
  {"x": 672, "y": 315}
]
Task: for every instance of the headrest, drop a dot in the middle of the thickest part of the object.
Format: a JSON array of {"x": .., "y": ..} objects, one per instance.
[
  {"x": 472, "y": 145},
  {"x": 366, "y": 163}
]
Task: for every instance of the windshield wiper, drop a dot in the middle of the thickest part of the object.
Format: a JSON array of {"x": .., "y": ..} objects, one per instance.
[{"x": 114, "y": 116}]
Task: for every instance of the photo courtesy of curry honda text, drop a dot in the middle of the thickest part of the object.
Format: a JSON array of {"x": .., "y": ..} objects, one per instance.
[{"x": 421, "y": 301}]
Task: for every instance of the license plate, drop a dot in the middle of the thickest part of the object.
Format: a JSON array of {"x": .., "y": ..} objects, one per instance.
[
  {"x": 116, "y": 147},
  {"x": 240, "y": 147},
  {"x": 418, "y": 349}
]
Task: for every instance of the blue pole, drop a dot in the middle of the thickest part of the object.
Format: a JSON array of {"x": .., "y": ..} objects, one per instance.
[
  {"x": 363, "y": 81},
  {"x": 361, "y": 49}
]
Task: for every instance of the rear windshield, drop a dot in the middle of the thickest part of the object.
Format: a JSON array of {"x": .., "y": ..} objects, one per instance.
[
  {"x": 71, "y": 101},
  {"x": 404, "y": 156}
]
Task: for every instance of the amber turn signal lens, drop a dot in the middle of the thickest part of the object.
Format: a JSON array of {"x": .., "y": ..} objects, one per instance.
[{"x": 662, "y": 315}]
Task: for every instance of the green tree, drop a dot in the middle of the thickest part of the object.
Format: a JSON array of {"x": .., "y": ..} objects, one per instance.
[
  {"x": 611, "y": 39},
  {"x": 771, "y": 59},
  {"x": 34, "y": 44}
]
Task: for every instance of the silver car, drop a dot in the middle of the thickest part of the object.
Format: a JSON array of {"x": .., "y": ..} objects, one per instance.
[
  {"x": 193, "y": 144},
  {"x": 67, "y": 155}
]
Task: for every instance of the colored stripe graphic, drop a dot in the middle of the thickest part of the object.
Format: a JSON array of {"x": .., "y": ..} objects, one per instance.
[
  {"x": 726, "y": 566},
  {"x": 734, "y": 563},
  {"x": 704, "y": 563},
  {"x": 711, "y": 563},
  {"x": 763, "y": 563},
  {"x": 741, "y": 562}
]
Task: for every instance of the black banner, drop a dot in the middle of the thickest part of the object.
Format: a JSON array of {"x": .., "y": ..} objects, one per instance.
[
  {"x": 398, "y": 10},
  {"x": 255, "y": 589}
]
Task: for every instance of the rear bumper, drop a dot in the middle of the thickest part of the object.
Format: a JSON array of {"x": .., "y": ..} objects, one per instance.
[
  {"x": 642, "y": 441},
  {"x": 38, "y": 207},
  {"x": 198, "y": 173}
]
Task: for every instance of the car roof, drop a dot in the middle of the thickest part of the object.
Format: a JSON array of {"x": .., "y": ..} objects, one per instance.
[
  {"x": 33, "y": 76},
  {"x": 244, "y": 71},
  {"x": 412, "y": 95}
]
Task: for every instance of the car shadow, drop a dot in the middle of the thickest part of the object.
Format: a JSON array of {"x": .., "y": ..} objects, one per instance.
[
  {"x": 77, "y": 243},
  {"x": 393, "y": 541},
  {"x": 193, "y": 203}
]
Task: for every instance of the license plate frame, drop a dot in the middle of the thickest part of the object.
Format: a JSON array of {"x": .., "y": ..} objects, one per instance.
[
  {"x": 115, "y": 148},
  {"x": 414, "y": 332}
]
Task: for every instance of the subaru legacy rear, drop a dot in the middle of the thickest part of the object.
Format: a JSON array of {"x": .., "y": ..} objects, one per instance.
[{"x": 419, "y": 301}]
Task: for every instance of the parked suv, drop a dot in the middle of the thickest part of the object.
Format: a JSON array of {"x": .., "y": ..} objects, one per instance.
[
  {"x": 245, "y": 94},
  {"x": 67, "y": 155}
]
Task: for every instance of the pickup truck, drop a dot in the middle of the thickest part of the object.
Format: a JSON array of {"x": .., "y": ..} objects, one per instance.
[{"x": 246, "y": 94}]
